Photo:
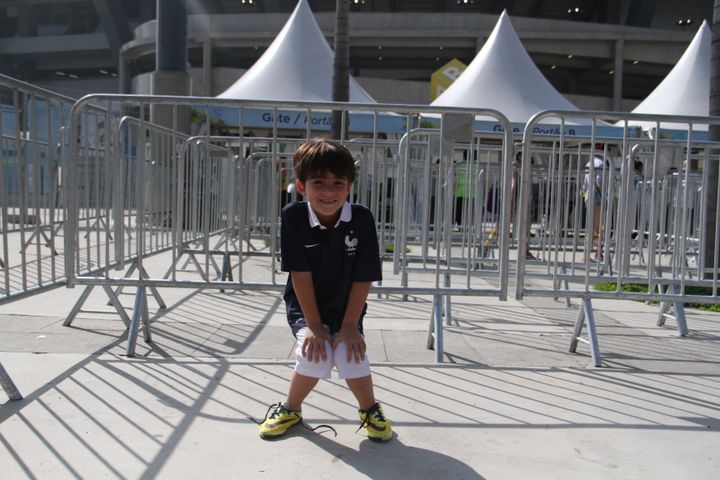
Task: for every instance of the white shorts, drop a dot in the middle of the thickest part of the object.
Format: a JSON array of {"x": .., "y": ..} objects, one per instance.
[{"x": 336, "y": 358}]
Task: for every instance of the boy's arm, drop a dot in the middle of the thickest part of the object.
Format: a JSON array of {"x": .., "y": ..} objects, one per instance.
[
  {"x": 314, "y": 345},
  {"x": 349, "y": 332}
]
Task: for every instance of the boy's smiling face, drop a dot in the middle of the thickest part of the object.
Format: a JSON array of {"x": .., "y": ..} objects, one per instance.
[{"x": 327, "y": 194}]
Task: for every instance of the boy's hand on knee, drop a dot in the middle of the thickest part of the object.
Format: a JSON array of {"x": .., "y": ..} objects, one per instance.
[
  {"x": 314, "y": 345},
  {"x": 354, "y": 341}
]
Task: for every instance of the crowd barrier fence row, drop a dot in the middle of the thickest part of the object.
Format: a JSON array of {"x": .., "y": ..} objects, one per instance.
[
  {"x": 33, "y": 122},
  {"x": 620, "y": 212},
  {"x": 451, "y": 219},
  {"x": 214, "y": 200}
]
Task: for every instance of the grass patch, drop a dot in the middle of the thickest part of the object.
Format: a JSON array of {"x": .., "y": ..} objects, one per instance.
[
  {"x": 625, "y": 287},
  {"x": 643, "y": 288},
  {"x": 390, "y": 248}
]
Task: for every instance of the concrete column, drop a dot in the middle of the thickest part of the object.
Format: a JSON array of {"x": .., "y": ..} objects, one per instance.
[
  {"x": 207, "y": 67},
  {"x": 25, "y": 25},
  {"x": 124, "y": 80},
  {"x": 171, "y": 35},
  {"x": 171, "y": 83},
  {"x": 171, "y": 76},
  {"x": 147, "y": 12},
  {"x": 22, "y": 67},
  {"x": 618, "y": 76}
]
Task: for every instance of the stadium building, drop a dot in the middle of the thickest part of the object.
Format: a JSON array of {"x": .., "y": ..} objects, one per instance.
[{"x": 600, "y": 54}]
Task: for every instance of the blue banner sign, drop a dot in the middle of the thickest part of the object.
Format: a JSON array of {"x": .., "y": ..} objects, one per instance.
[{"x": 359, "y": 122}]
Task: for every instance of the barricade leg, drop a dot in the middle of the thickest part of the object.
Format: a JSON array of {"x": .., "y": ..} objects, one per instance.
[
  {"x": 172, "y": 266},
  {"x": 78, "y": 305},
  {"x": 129, "y": 272},
  {"x": 147, "y": 334},
  {"x": 585, "y": 315},
  {"x": 227, "y": 273},
  {"x": 435, "y": 331},
  {"x": 380, "y": 295},
  {"x": 153, "y": 290},
  {"x": 201, "y": 271},
  {"x": 139, "y": 315},
  {"x": 118, "y": 306},
  {"x": 677, "y": 313},
  {"x": 213, "y": 262},
  {"x": 226, "y": 269},
  {"x": 680, "y": 321},
  {"x": 38, "y": 233},
  {"x": 114, "y": 301},
  {"x": 566, "y": 284},
  {"x": 430, "y": 344},
  {"x": 405, "y": 282},
  {"x": 448, "y": 303},
  {"x": 664, "y": 309},
  {"x": 8, "y": 385},
  {"x": 142, "y": 274}
]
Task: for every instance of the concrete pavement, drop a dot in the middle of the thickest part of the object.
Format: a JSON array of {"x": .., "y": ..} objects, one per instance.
[{"x": 508, "y": 403}]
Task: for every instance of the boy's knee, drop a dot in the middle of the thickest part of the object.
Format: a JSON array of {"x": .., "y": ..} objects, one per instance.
[
  {"x": 350, "y": 369},
  {"x": 305, "y": 366},
  {"x": 309, "y": 368}
]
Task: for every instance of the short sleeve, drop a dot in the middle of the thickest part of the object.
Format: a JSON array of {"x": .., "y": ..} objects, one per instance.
[
  {"x": 293, "y": 255},
  {"x": 367, "y": 263}
]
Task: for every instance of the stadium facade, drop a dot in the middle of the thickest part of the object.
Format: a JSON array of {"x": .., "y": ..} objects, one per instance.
[{"x": 600, "y": 54}]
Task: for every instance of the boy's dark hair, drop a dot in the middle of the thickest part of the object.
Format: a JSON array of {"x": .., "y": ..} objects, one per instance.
[{"x": 317, "y": 156}]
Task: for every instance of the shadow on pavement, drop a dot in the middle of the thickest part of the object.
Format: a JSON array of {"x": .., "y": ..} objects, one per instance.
[{"x": 395, "y": 460}]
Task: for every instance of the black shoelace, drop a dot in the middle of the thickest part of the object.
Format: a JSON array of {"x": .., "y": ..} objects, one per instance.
[{"x": 277, "y": 408}]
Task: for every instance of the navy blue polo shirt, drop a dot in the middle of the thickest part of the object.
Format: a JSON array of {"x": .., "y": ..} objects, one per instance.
[{"x": 336, "y": 256}]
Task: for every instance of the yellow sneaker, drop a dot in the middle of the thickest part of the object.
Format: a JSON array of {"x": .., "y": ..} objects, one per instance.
[
  {"x": 278, "y": 421},
  {"x": 374, "y": 422}
]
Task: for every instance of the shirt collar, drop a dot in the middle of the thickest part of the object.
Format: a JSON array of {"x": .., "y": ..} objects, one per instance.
[{"x": 345, "y": 216}]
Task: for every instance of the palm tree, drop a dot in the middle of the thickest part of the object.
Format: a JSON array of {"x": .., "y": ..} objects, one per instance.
[{"x": 341, "y": 64}]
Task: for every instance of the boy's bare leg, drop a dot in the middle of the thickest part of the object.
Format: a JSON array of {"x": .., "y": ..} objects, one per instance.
[
  {"x": 362, "y": 388},
  {"x": 300, "y": 387}
]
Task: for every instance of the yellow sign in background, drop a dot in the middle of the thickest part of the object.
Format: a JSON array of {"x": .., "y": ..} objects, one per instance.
[{"x": 443, "y": 77}]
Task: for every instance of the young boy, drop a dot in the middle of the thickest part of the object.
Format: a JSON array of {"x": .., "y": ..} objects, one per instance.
[{"x": 331, "y": 250}]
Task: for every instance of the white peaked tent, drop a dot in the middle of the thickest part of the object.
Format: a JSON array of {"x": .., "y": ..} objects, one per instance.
[
  {"x": 686, "y": 89},
  {"x": 503, "y": 77},
  {"x": 297, "y": 66}
]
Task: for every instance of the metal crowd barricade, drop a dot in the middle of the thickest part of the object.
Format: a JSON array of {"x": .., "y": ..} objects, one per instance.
[
  {"x": 460, "y": 234},
  {"x": 628, "y": 209},
  {"x": 33, "y": 122},
  {"x": 125, "y": 205},
  {"x": 206, "y": 191},
  {"x": 8, "y": 385},
  {"x": 221, "y": 191}
]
